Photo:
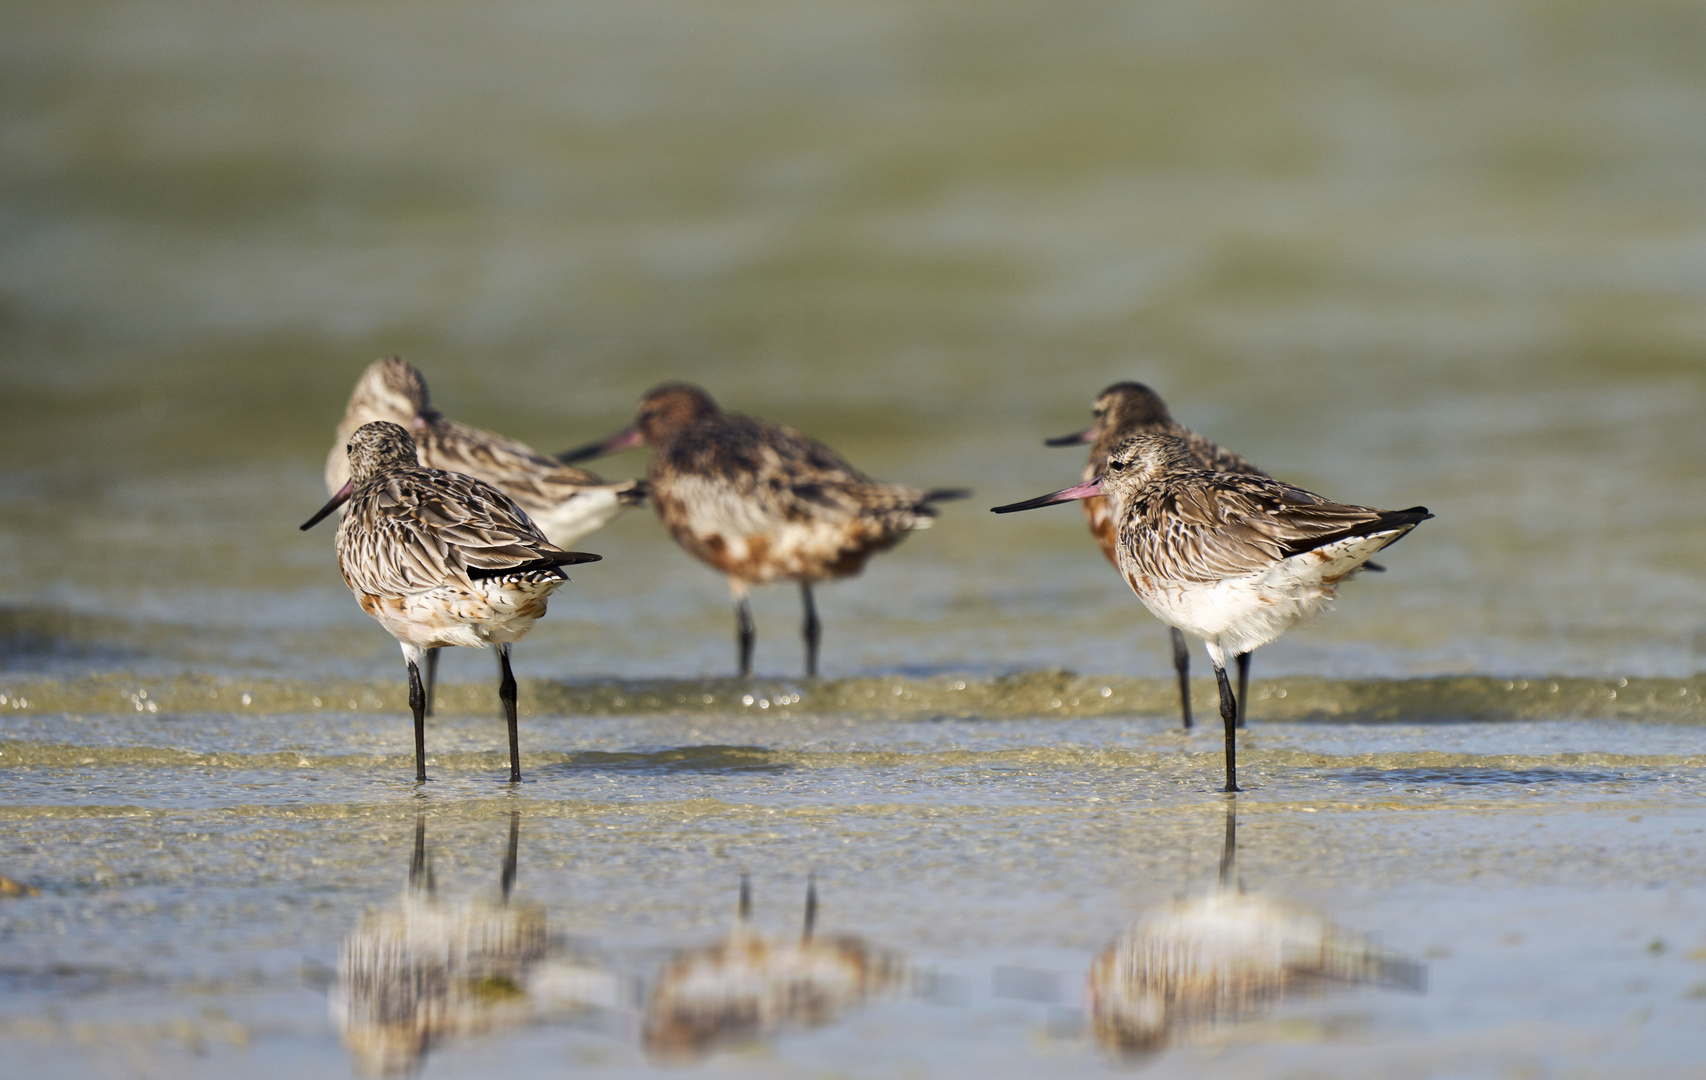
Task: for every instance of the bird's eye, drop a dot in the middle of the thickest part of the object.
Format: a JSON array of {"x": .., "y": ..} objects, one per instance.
[{"x": 1117, "y": 466}]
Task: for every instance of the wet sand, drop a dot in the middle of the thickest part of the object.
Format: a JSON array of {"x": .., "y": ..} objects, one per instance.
[{"x": 200, "y": 871}]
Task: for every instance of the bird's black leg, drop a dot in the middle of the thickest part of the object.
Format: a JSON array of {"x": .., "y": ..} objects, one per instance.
[
  {"x": 431, "y": 678},
  {"x": 417, "y": 705},
  {"x": 812, "y": 629},
  {"x": 507, "y": 881},
  {"x": 743, "y": 908},
  {"x": 1182, "y": 661},
  {"x": 1229, "y": 716},
  {"x": 1243, "y": 659},
  {"x": 744, "y": 634},
  {"x": 506, "y": 694}
]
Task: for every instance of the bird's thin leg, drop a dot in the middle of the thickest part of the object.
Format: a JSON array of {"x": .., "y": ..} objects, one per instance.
[
  {"x": 431, "y": 678},
  {"x": 507, "y": 881},
  {"x": 744, "y": 634},
  {"x": 506, "y": 694},
  {"x": 417, "y": 705},
  {"x": 1182, "y": 661},
  {"x": 1243, "y": 659},
  {"x": 1229, "y": 716},
  {"x": 743, "y": 907},
  {"x": 812, "y": 629}
]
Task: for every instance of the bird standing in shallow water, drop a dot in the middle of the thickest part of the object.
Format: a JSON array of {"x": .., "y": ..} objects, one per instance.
[
  {"x": 1131, "y": 408},
  {"x": 440, "y": 559},
  {"x": 566, "y": 503},
  {"x": 1231, "y": 558},
  {"x": 761, "y": 502}
]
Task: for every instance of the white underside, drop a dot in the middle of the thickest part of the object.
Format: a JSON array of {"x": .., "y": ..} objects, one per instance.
[
  {"x": 587, "y": 512},
  {"x": 1236, "y": 615},
  {"x": 493, "y": 612}
]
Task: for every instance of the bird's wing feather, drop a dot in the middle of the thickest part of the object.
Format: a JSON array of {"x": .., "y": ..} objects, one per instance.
[
  {"x": 1214, "y": 526},
  {"x": 414, "y": 530},
  {"x": 535, "y": 481},
  {"x": 749, "y": 477}
]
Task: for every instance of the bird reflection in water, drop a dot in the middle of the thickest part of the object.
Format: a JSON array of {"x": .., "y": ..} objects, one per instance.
[
  {"x": 424, "y": 970},
  {"x": 748, "y": 986},
  {"x": 1182, "y": 970}
]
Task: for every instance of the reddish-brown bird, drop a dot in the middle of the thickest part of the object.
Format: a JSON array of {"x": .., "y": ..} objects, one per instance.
[{"x": 761, "y": 503}]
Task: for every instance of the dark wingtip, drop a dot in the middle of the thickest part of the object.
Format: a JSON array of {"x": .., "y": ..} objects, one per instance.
[{"x": 570, "y": 558}]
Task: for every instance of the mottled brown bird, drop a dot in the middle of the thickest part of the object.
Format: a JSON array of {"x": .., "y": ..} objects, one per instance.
[
  {"x": 566, "y": 503},
  {"x": 1131, "y": 408},
  {"x": 439, "y": 558},
  {"x": 1232, "y": 558},
  {"x": 761, "y": 503}
]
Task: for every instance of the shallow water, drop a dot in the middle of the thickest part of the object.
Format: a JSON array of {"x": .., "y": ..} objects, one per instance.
[{"x": 1446, "y": 255}]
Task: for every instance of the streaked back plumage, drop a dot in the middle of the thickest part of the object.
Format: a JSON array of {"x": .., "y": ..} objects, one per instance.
[
  {"x": 762, "y": 502},
  {"x": 565, "y": 502},
  {"x": 439, "y": 558},
  {"x": 1192, "y": 543}
]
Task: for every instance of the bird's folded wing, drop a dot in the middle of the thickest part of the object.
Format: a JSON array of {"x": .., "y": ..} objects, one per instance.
[
  {"x": 1213, "y": 531},
  {"x": 424, "y": 535},
  {"x": 517, "y": 468},
  {"x": 741, "y": 476}
]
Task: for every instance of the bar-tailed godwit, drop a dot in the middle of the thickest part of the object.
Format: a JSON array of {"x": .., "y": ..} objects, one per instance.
[
  {"x": 566, "y": 503},
  {"x": 440, "y": 559},
  {"x": 1131, "y": 408},
  {"x": 1232, "y": 558},
  {"x": 762, "y": 503}
]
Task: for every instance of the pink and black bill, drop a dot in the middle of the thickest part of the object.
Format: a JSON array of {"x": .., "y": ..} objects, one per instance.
[
  {"x": 1075, "y": 439},
  {"x": 1088, "y": 490},
  {"x": 337, "y": 500},
  {"x": 626, "y": 439}
]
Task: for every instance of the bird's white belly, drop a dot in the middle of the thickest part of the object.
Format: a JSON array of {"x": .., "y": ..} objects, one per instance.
[
  {"x": 492, "y": 611},
  {"x": 1237, "y": 614},
  {"x": 587, "y": 512}
]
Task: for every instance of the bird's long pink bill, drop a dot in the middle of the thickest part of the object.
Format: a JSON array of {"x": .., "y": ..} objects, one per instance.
[
  {"x": 1088, "y": 490},
  {"x": 337, "y": 500},
  {"x": 1075, "y": 439},
  {"x": 622, "y": 440}
]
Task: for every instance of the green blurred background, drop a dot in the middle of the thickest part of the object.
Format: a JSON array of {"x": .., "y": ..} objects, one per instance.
[{"x": 1444, "y": 253}]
